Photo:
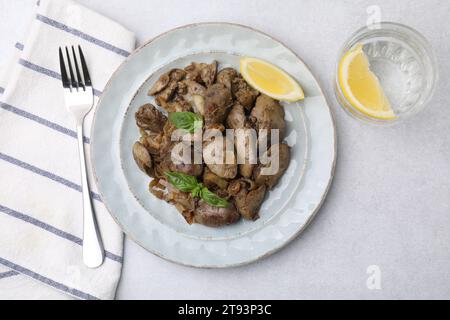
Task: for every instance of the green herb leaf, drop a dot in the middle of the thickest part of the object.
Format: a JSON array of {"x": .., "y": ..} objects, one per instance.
[
  {"x": 213, "y": 199},
  {"x": 197, "y": 191},
  {"x": 187, "y": 183},
  {"x": 181, "y": 181},
  {"x": 188, "y": 121}
]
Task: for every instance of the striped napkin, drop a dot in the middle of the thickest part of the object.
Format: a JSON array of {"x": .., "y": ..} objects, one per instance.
[{"x": 40, "y": 198}]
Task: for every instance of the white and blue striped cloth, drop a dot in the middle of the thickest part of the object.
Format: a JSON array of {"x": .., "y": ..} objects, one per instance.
[{"x": 40, "y": 198}]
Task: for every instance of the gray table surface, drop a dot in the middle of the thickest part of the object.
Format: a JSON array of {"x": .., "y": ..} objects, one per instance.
[{"x": 389, "y": 205}]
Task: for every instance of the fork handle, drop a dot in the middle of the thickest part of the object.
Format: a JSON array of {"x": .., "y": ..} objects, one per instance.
[{"x": 93, "y": 252}]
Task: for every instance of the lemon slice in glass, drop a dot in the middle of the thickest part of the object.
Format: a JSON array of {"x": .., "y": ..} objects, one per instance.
[
  {"x": 361, "y": 86},
  {"x": 270, "y": 80}
]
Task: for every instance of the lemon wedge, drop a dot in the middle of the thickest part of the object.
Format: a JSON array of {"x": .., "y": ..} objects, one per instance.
[
  {"x": 270, "y": 80},
  {"x": 361, "y": 86}
]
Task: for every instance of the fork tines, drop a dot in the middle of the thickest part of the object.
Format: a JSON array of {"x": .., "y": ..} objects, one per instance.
[{"x": 74, "y": 79}]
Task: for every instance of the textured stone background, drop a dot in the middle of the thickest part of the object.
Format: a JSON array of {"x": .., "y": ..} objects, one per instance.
[{"x": 390, "y": 201}]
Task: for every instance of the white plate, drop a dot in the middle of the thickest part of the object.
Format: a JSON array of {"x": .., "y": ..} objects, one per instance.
[{"x": 156, "y": 225}]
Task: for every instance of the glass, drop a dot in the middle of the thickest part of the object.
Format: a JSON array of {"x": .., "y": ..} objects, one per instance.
[{"x": 404, "y": 63}]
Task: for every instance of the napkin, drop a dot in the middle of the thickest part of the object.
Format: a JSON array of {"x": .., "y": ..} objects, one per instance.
[{"x": 40, "y": 198}]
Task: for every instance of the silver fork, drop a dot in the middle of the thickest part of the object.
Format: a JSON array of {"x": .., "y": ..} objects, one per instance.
[{"x": 79, "y": 98}]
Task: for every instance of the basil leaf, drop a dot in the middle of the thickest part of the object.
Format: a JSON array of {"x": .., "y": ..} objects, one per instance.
[
  {"x": 213, "y": 199},
  {"x": 181, "y": 181},
  {"x": 197, "y": 191},
  {"x": 188, "y": 121},
  {"x": 198, "y": 123},
  {"x": 187, "y": 183}
]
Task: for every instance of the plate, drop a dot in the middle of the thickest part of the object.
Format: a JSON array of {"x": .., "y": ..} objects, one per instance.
[{"x": 156, "y": 225}]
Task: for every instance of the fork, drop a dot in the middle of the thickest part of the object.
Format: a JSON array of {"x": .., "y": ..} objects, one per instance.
[{"x": 79, "y": 98}]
